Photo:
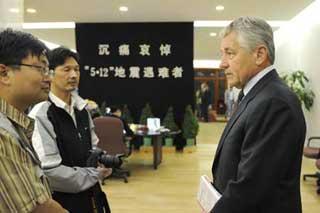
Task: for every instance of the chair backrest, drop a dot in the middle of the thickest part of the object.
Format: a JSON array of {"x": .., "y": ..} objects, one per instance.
[
  {"x": 110, "y": 133},
  {"x": 312, "y": 149},
  {"x": 318, "y": 163},
  {"x": 311, "y": 152}
]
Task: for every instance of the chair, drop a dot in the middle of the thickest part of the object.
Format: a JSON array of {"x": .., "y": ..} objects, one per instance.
[
  {"x": 111, "y": 139},
  {"x": 312, "y": 150}
]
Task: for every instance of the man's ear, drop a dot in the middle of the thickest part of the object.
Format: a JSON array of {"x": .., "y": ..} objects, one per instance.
[
  {"x": 261, "y": 54},
  {"x": 4, "y": 75}
]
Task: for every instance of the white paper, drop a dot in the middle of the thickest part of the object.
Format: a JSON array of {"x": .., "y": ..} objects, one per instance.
[
  {"x": 153, "y": 124},
  {"x": 207, "y": 194}
]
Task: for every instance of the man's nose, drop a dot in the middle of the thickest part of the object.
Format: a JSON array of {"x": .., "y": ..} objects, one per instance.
[
  {"x": 74, "y": 73},
  {"x": 223, "y": 63},
  {"x": 47, "y": 78}
]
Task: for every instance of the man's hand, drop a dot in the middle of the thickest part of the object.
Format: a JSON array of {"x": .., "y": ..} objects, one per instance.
[
  {"x": 94, "y": 156},
  {"x": 104, "y": 172},
  {"x": 50, "y": 206}
]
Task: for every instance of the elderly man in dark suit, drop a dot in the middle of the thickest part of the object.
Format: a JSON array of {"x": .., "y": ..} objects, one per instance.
[{"x": 258, "y": 160}]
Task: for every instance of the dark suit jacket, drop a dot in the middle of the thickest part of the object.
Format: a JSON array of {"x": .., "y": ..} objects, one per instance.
[
  {"x": 258, "y": 160},
  {"x": 206, "y": 98}
]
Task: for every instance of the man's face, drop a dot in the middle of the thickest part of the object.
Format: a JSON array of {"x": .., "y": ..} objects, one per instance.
[
  {"x": 118, "y": 113},
  {"x": 67, "y": 76},
  {"x": 239, "y": 64},
  {"x": 29, "y": 85}
]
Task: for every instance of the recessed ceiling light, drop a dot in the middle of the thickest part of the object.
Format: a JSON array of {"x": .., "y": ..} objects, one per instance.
[
  {"x": 213, "y": 34},
  {"x": 123, "y": 9},
  {"x": 14, "y": 10},
  {"x": 219, "y": 7},
  {"x": 31, "y": 10}
]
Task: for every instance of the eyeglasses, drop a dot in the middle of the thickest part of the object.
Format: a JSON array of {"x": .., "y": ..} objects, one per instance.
[{"x": 43, "y": 70}]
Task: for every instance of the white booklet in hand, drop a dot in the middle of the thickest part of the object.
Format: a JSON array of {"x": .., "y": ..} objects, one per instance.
[{"x": 207, "y": 194}]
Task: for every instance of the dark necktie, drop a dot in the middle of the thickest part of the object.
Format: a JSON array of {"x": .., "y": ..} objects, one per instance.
[
  {"x": 240, "y": 96},
  {"x": 236, "y": 104}
]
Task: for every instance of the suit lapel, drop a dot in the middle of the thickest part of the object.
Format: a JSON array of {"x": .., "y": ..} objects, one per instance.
[
  {"x": 233, "y": 119},
  {"x": 241, "y": 108}
]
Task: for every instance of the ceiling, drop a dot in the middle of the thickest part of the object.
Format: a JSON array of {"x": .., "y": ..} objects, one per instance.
[{"x": 205, "y": 46}]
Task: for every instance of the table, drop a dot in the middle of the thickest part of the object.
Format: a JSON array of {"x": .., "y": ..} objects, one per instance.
[{"x": 156, "y": 138}]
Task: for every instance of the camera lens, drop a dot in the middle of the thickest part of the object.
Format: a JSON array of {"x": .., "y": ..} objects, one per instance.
[{"x": 110, "y": 161}]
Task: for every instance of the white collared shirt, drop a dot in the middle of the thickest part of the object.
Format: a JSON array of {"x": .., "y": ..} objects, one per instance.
[
  {"x": 76, "y": 102},
  {"x": 253, "y": 81}
]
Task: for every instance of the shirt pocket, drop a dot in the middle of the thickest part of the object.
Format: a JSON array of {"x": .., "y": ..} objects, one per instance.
[{"x": 11, "y": 149}]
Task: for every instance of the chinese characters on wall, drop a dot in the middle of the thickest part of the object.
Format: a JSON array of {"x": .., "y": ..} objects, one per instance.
[{"x": 135, "y": 72}]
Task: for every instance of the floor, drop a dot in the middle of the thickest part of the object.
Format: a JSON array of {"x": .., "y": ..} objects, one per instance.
[{"x": 173, "y": 186}]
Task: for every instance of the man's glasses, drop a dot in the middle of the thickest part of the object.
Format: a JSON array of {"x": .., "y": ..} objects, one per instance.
[{"x": 43, "y": 70}]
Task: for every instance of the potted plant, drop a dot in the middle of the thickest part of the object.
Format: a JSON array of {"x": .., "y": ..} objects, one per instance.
[
  {"x": 126, "y": 115},
  {"x": 168, "y": 122},
  {"x": 298, "y": 82},
  {"x": 190, "y": 126},
  {"x": 146, "y": 113}
]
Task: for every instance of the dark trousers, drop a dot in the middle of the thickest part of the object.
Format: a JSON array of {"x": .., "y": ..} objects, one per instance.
[
  {"x": 89, "y": 201},
  {"x": 204, "y": 112}
]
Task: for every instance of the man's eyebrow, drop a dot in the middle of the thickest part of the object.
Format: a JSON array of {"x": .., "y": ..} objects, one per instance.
[
  {"x": 228, "y": 48},
  {"x": 224, "y": 49},
  {"x": 68, "y": 66}
]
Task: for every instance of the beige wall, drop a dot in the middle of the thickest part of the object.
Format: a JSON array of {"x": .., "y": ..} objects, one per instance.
[
  {"x": 9, "y": 19},
  {"x": 298, "y": 48}
]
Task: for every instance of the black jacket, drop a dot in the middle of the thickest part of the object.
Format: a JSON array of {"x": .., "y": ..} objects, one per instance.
[
  {"x": 74, "y": 144},
  {"x": 258, "y": 160}
]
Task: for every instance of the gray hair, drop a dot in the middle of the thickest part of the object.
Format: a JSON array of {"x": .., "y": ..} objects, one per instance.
[{"x": 252, "y": 32}]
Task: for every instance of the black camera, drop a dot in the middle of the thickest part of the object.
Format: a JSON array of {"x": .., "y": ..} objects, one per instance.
[
  {"x": 110, "y": 161},
  {"x": 98, "y": 155}
]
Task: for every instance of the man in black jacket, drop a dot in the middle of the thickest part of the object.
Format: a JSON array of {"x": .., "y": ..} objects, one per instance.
[
  {"x": 64, "y": 135},
  {"x": 258, "y": 160},
  {"x": 205, "y": 101}
]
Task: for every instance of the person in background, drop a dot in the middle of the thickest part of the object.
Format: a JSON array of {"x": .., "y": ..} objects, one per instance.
[
  {"x": 257, "y": 163},
  {"x": 229, "y": 101},
  {"x": 116, "y": 112},
  {"x": 205, "y": 101},
  {"x": 24, "y": 81},
  {"x": 64, "y": 135},
  {"x": 93, "y": 108},
  {"x": 198, "y": 102}
]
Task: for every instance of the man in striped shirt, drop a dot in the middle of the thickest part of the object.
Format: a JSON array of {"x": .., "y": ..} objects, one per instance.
[{"x": 24, "y": 81}]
